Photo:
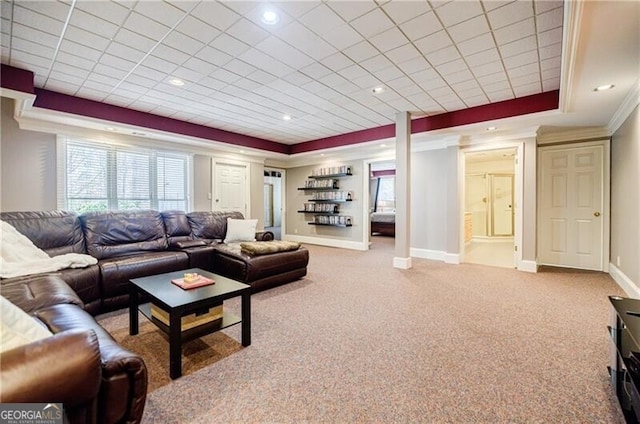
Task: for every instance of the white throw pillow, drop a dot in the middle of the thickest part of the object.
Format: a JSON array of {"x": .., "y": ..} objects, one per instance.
[
  {"x": 240, "y": 230},
  {"x": 18, "y": 328}
]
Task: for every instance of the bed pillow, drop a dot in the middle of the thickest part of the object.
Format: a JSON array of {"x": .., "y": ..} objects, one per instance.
[
  {"x": 17, "y": 328},
  {"x": 240, "y": 230}
]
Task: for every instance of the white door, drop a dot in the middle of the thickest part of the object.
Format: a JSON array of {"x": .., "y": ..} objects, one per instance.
[
  {"x": 230, "y": 188},
  {"x": 502, "y": 204},
  {"x": 571, "y": 220}
]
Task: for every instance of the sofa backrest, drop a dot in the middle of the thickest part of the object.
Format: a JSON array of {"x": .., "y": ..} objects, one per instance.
[
  {"x": 176, "y": 226},
  {"x": 210, "y": 225},
  {"x": 109, "y": 234},
  {"x": 55, "y": 232}
]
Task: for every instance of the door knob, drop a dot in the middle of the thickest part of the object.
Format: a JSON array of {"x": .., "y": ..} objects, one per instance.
[{"x": 596, "y": 214}]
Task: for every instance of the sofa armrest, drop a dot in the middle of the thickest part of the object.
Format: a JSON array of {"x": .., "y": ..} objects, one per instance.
[
  {"x": 62, "y": 368},
  {"x": 264, "y": 236},
  {"x": 189, "y": 243}
]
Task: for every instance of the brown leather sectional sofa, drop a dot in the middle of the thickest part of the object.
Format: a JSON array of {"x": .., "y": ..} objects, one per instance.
[{"x": 81, "y": 365}]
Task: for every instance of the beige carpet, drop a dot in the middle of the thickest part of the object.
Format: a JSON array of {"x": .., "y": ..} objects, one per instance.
[{"x": 358, "y": 341}]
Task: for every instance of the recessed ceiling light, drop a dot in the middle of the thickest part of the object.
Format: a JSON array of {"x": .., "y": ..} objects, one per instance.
[
  {"x": 177, "y": 82},
  {"x": 270, "y": 17},
  {"x": 492, "y": 128},
  {"x": 110, "y": 129},
  {"x": 321, "y": 154},
  {"x": 377, "y": 90},
  {"x": 383, "y": 145},
  {"x": 286, "y": 117},
  {"x": 604, "y": 87},
  {"x": 242, "y": 151}
]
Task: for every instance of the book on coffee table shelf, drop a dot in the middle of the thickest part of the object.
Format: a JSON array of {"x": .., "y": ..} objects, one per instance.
[
  {"x": 189, "y": 321},
  {"x": 200, "y": 281}
]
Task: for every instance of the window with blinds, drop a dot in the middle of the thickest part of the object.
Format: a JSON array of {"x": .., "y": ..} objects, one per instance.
[{"x": 95, "y": 177}]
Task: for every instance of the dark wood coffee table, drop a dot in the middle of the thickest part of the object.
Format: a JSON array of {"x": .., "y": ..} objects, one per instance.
[{"x": 178, "y": 303}]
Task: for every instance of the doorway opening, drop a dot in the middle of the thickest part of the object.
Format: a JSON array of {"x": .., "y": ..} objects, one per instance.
[
  {"x": 273, "y": 201},
  {"x": 490, "y": 200},
  {"x": 382, "y": 201}
]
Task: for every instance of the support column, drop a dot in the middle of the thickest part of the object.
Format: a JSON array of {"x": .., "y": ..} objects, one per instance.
[{"x": 402, "y": 257}]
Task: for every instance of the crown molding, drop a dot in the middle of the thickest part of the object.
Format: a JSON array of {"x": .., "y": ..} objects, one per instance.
[
  {"x": 626, "y": 108},
  {"x": 571, "y": 34},
  {"x": 579, "y": 134}
]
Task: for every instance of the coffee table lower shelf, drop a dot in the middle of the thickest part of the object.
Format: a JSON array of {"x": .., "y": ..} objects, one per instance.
[{"x": 228, "y": 320}]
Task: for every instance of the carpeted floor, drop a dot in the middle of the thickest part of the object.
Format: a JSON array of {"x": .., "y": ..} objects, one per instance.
[{"x": 357, "y": 341}]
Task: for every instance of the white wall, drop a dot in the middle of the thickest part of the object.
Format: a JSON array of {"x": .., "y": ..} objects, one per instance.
[
  {"x": 28, "y": 162},
  {"x": 625, "y": 199}
]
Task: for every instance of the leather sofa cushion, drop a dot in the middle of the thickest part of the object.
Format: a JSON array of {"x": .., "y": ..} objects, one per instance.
[
  {"x": 210, "y": 225},
  {"x": 34, "y": 293},
  {"x": 231, "y": 262},
  {"x": 177, "y": 227},
  {"x": 55, "y": 232},
  {"x": 111, "y": 234}
]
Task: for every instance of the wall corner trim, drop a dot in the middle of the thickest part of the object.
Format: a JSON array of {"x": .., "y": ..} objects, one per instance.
[
  {"x": 528, "y": 266},
  {"x": 624, "y": 282},
  {"x": 402, "y": 263},
  {"x": 435, "y": 255},
  {"x": 452, "y": 258}
]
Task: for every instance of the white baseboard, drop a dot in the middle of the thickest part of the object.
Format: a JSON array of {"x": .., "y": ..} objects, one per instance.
[
  {"x": 452, "y": 258},
  {"x": 402, "y": 263},
  {"x": 345, "y": 244},
  {"x": 624, "y": 282},
  {"x": 528, "y": 266},
  {"x": 436, "y": 255}
]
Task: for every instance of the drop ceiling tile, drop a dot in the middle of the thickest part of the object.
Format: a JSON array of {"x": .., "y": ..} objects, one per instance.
[
  {"x": 494, "y": 4},
  {"x": 550, "y": 51},
  {"x": 455, "y": 12},
  {"x": 468, "y": 84},
  {"x": 433, "y": 84},
  {"x": 527, "y": 90},
  {"x": 551, "y": 63},
  {"x": 373, "y": 23},
  {"x": 496, "y": 86},
  {"x": 133, "y": 88},
  {"x": 421, "y": 26},
  {"x": 411, "y": 90},
  {"x": 296, "y": 9},
  {"x": 353, "y": 72},
  {"x": 214, "y": 56},
  {"x": 448, "y": 54},
  {"x": 390, "y": 39},
  {"x": 477, "y": 44},
  {"x": 212, "y": 83},
  {"x": 31, "y": 34},
  {"x": 247, "y": 84},
  {"x": 462, "y": 75},
  {"x": 469, "y": 29},
  {"x": 332, "y": 80},
  {"x": 400, "y": 82},
  {"x": 77, "y": 61},
  {"x": 68, "y": 74},
  {"x": 549, "y": 20},
  {"x": 306, "y": 41},
  {"x": 187, "y": 75},
  {"x": 278, "y": 49},
  {"x": 60, "y": 86},
  {"x": 86, "y": 38},
  {"x": 388, "y": 73},
  {"x": 298, "y": 79},
  {"x": 240, "y": 67},
  {"x": 476, "y": 100},
  {"x": 489, "y": 68},
  {"x": 134, "y": 40},
  {"x": 197, "y": 29},
  {"x": 93, "y": 91},
  {"x": 53, "y": 9},
  {"x": 32, "y": 48},
  {"x": 453, "y": 104},
  {"x": 402, "y": 11},
  {"x": 544, "y": 6},
  {"x": 150, "y": 73},
  {"x": 500, "y": 76},
  {"x": 229, "y": 45},
  {"x": 532, "y": 68},
  {"x": 481, "y": 58},
  {"x": 515, "y": 31},
  {"x": 225, "y": 76},
  {"x": 376, "y": 63},
  {"x": 162, "y": 12},
  {"x": 350, "y": 10},
  {"x": 93, "y": 24},
  {"x": 428, "y": 75},
  {"x": 217, "y": 14},
  {"x": 518, "y": 47},
  {"x": 525, "y": 79},
  {"x": 183, "y": 43},
  {"x": 262, "y": 77},
  {"x": 361, "y": 51},
  {"x": 316, "y": 71},
  {"x": 104, "y": 69},
  {"x": 551, "y": 84},
  {"x": 510, "y": 14},
  {"x": 124, "y": 52},
  {"x": 337, "y": 62},
  {"x": 550, "y": 37},
  {"x": 342, "y": 37},
  {"x": 414, "y": 65},
  {"x": 134, "y": 79},
  {"x": 403, "y": 53},
  {"x": 521, "y": 59},
  {"x": 321, "y": 19},
  {"x": 116, "y": 62},
  {"x": 200, "y": 66},
  {"x": 35, "y": 20},
  {"x": 247, "y": 31},
  {"x": 367, "y": 82},
  {"x": 551, "y": 73},
  {"x": 433, "y": 42}
]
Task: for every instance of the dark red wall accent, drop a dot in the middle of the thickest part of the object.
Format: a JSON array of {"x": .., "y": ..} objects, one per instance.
[
  {"x": 22, "y": 80},
  {"x": 79, "y": 106},
  {"x": 16, "y": 79}
]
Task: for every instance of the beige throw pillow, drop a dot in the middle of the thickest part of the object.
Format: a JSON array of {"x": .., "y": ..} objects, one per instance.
[{"x": 240, "y": 230}]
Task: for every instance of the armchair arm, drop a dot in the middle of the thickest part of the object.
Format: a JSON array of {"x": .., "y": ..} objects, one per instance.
[
  {"x": 264, "y": 236},
  {"x": 62, "y": 368}
]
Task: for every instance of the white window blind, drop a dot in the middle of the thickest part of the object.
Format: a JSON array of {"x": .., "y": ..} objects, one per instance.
[{"x": 95, "y": 177}]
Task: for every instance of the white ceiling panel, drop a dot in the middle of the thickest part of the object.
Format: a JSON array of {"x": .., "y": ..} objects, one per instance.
[{"x": 319, "y": 63}]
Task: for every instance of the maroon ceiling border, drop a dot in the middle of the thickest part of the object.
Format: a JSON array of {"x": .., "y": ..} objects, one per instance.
[{"x": 22, "y": 80}]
